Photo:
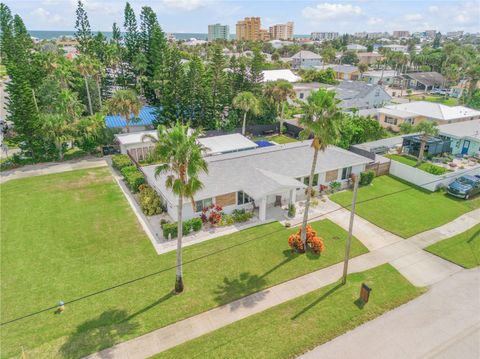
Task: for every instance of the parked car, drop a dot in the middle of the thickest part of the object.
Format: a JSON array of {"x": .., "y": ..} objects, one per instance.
[{"x": 464, "y": 187}]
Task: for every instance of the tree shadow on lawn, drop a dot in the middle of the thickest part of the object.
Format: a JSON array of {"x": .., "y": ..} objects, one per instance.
[
  {"x": 318, "y": 300},
  {"x": 247, "y": 286},
  {"x": 97, "y": 334}
]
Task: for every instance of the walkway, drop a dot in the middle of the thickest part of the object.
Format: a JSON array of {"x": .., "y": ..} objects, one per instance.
[
  {"x": 443, "y": 323},
  {"x": 406, "y": 255},
  {"x": 51, "y": 167}
]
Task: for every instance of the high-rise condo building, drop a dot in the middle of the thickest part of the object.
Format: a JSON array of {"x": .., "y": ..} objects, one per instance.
[
  {"x": 282, "y": 31},
  {"x": 217, "y": 31},
  {"x": 249, "y": 29}
]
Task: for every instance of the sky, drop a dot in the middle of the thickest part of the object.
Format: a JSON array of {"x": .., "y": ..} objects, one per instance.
[{"x": 308, "y": 16}]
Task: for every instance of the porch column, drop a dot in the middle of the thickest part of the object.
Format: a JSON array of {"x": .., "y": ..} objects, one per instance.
[
  {"x": 262, "y": 209},
  {"x": 293, "y": 196}
]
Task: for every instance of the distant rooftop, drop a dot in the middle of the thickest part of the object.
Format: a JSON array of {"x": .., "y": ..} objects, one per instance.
[
  {"x": 304, "y": 54},
  {"x": 431, "y": 110},
  {"x": 275, "y": 75}
]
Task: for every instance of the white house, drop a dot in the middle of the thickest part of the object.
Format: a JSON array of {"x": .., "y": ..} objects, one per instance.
[
  {"x": 386, "y": 77},
  {"x": 356, "y": 47},
  {"x": 306, "y": 60},
  {"x": 275, "y": 75},
  {"x": 261, "y": 178}
]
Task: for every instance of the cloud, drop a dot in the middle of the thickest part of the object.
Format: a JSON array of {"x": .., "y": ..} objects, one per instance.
[
  {"x": 185, "y": 5},
  {"x": 375, "y": 21},
  {"x": 47, "y": 17},
  {"x": 330, "y": 11},
  {"x": 413, "y": 17},
  {"x": 433, "y": 9}
]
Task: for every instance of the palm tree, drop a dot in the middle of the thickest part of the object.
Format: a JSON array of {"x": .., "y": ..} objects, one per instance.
[
  {"x": 182, "y": 162},
  {"x": 247, "y": 102},
  {"x": 59, "y": 130},
  {"x": 282, "y": 91},
  {"x": 125, "y": 103},
  {"x": 320, "y": 120},
  {"x": 362, "y": 68},
  {"x": 98, "y": 74},
  {"x": 426, "y": 129},
  {"x": 85, "y": 67}
]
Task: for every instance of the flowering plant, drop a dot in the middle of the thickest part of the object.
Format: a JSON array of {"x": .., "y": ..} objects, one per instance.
[
  {"x": 212, "y": 214},
  {"x": 314, "y": 242}
]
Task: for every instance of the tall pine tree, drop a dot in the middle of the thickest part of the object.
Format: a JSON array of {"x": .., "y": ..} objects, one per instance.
[
  {"x": 83, "y": 33},
  {"x": 131, "y": 34}
]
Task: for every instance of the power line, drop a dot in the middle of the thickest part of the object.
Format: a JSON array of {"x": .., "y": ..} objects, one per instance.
[{"x": 213, "y": 253}]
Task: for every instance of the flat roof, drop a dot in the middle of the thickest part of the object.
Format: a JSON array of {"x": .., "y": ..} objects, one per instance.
[
  {"x": 275, "y": 75},
  {"x": 464, "y": 129},
  {"x": 226, "y": 143},
  {"x": 427, "y": 109},
  {"x": 134, "y": 137},
  {"x": 261, "y": 171}
]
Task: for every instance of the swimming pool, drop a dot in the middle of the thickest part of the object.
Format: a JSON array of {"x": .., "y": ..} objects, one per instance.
[{"x": 262, "y": 143}]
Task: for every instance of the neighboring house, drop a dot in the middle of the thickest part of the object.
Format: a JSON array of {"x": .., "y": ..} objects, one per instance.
[
  {"x": 260, "y": 178},
  {"x": 415, "y": 112},
  {"x": 421, "y": 80},
  {"x": 278, "y": 44},
  {"x": 353, "y": 94},
  {"x": 138, "y": 147},
  {"x": 464, "y": 137},
  {"x": 343, "y": 72},
  {"x": 306, "y": 60},
  {"x": 396, "y": 47},
  {"x": 275, "y": 75},
  {"x": 386, "y": 77},
  {"x": 356, "y": 48},
  {"x": 369, "y": 58},
  {"x": 143, "y": 122},
  {"x": 360, "y": 95}
]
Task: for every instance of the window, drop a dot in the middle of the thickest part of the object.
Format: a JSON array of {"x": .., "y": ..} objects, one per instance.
[
  {"x": 390, "y": 120},
  {"x": 243, "y": 198},
  {"x": 410, "y": 120},
  {"x": 199, "y": 205},
  {"x": 346, "y": 172},
  {"x": 307, "y": 179}
]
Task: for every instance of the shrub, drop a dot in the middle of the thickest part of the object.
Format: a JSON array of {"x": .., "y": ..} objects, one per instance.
[
  {"x": 434, "y": 170},
  {"x": 292, "y": 210},
  {"x": 366, "y": 178},
  {"x": 163, "y": 221},
  {"x": 314, "y": 242},
  {"x": 169, "y": 229},
  {"x": 191, "y": 225},
  {"x": 240, "y": 215},
  {"x": 335, "y": 186},
  {"x": 227, "y": 220},
  {"x": 212, "y": 214},
  {"x": 133, "y": 177},
  {"x": 121, "y": 161},
  {"x": 149, "y": 200},
  {"x": 314, "y": 202}
]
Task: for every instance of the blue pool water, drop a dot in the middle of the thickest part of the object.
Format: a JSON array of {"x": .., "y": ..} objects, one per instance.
[{"x": 264, "y": 143}]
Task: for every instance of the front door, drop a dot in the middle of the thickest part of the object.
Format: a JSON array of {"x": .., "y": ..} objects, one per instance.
[{"x": 466, "y": 145}]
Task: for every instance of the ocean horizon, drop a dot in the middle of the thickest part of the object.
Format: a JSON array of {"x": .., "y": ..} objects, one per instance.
[{"x": 52, "y": 34}]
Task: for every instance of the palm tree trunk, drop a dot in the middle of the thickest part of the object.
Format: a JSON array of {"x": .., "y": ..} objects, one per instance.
[
  {"x": 88, "y": 96},
  {"x": 99, "y": 93},
  {"x": 127, "y": 123},
  {"x": 281, "y": 116},
  {"x": 303, "y": 235},
  {"x": 179, "y": 264},
  {"x": 422, "y": 150},
  {"x": 244, "y": 122}
]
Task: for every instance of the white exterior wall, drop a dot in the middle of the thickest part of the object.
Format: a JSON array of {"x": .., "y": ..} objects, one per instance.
[{"x": 427, "y": 180}]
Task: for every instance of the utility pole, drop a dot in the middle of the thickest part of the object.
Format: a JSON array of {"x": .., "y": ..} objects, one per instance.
[{"x": 355, "y": 180}]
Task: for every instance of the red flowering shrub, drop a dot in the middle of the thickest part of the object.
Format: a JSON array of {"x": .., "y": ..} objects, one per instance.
[
  {"x": 314, "y": 242},
  {"x": 212, "y": 214}
]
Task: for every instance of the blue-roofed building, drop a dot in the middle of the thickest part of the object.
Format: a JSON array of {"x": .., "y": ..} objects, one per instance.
[{"x": 143, "y": 122}]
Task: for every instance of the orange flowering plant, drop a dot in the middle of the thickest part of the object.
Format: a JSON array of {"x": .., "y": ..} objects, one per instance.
[{"x": 314, "y": 242}]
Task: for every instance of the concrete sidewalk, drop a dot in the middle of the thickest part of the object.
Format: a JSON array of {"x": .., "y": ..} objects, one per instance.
[
  {"x": 420, "y": 267},
  {"x": 51, "y": 167},
  {"x": 443, "y": 323}
]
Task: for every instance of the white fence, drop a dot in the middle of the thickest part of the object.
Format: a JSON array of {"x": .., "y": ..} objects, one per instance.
[{"x": 427, "y": 180}]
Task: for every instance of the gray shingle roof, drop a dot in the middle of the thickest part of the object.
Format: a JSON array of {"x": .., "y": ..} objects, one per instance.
[{"x": 261, "y": 171}]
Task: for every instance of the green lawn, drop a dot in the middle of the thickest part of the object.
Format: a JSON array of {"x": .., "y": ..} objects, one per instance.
[
  {"x": 462, "y": 249},
  {"x": 280, "y": 139},
  {"x": 404, "y": 209},
  {"x": 66, "y": 236},
  {"x": 449, "y": 101},
  {"x": 292, "y": 328},
  {"x": 412, "y": 161}
]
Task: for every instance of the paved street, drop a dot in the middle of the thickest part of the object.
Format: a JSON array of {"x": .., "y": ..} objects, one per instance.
[{"x": 443, "y": 323}]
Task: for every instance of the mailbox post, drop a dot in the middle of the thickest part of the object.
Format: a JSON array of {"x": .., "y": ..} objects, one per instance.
[{"x": 365, "y": 293}]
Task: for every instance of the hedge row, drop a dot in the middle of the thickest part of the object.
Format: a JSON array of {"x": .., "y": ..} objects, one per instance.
[
  {"x": 149, "y": 200},
  {"x": 133, "y": 177},
  {"x": 121, "y": 161},
  {"x": 192, "y": 225}
]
